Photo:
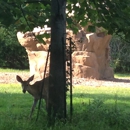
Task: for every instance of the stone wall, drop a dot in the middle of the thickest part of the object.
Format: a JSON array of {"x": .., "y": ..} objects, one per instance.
[
  {"x": 90, "y": 59},
  {"x": 37, "y": 54}
]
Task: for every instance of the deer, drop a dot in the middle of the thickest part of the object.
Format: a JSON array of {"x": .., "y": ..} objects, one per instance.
[{"x": 34, "y": 89}]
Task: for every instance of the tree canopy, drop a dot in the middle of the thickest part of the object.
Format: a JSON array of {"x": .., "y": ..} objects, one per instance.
[{"x": 113, "y": 15}]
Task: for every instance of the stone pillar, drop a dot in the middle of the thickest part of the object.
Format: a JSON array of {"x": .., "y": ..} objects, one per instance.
[{"x": 37, "y": 54}]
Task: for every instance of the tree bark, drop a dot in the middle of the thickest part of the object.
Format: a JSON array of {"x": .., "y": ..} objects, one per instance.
[{"x": 56, "y": 99}]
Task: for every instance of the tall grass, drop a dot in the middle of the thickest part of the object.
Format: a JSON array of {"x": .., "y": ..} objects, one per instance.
[{"x": 94, "y": 108}]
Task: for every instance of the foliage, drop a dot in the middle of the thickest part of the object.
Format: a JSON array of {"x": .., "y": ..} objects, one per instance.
[
  {"x": 111, "y": 118},
  {"x": 25, "y": 15},
  {"x": 120, "y": 53},
  {"x": 110, "y": 14},
  {"x": 12, "y": 55},
  {"x": 94, "y": 108},
  {"x": 113, "y": 15}
]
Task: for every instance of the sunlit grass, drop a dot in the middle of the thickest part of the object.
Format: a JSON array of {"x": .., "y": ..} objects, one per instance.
[
  {"x": 93, "y": 107},
  {"x": 109, "y": 95},
  {"x": 12, "y": 70},
  {"x": 122, "y": 75}
]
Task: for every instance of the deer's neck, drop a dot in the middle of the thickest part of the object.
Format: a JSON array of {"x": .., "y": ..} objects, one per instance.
[{"x": 34, "y": 91}]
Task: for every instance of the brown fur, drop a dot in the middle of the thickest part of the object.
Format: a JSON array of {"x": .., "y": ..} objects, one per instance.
[{"x": 34, "y": 89}]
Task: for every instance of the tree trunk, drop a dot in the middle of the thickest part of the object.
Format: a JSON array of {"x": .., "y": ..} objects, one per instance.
[{"x": 56, "y": 99}]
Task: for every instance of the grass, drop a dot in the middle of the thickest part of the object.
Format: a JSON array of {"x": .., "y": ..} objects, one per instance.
[
  {"x": 116, "y": 75},
  {"x": 95, "y": 108},
  {"x": 12, "y": 70},
  {"x": 122, "y": 75}
]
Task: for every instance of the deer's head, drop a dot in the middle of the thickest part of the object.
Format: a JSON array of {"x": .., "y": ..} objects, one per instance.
[{"x": 24, "y": 83}]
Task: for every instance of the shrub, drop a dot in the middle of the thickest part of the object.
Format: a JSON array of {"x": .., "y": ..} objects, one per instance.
[
  {"x": 112, "y": 117},
  {"x": 12, "y": 54},
  {"x": 120, "y": 54}
]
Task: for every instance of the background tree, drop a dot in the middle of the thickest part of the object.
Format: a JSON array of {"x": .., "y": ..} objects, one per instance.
[
  {"x": 120, "y": 61},
  {"x": 113, "y": 15},
  {"x": 12, "y": 55}
]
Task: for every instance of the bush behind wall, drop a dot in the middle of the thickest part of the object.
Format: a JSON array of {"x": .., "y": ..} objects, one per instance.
[
  {"x": 12, "y": 54},
  {"x": 120, "y": 54}
]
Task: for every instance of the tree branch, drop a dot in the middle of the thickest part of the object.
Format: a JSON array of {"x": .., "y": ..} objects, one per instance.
[{"x": 45, "y": 2}]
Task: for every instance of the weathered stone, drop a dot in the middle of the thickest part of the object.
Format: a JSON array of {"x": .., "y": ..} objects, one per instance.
[
  {"x": 85, "y": 58},
  {"x": 29, "y": 42},
  {"x": 37, "y": 62},
  {"x": 37, "y": 54},
  {"x": 81, "y": 71},
  {"x": 91, "y": 57},
  {"x": 94, "y": 52}
]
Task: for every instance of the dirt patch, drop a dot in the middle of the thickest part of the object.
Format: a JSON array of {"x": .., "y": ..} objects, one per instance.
[
  {"x": 9, "y": 78},
  {"x": 97, "y": 83}
]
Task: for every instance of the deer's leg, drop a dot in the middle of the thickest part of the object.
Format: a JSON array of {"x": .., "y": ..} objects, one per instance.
[{"x": 33, "y": 106}]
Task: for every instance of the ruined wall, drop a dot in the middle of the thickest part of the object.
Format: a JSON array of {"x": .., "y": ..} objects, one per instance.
[
  {"x": 37, "y": 54},
  {"x": 90, "y": 59}
]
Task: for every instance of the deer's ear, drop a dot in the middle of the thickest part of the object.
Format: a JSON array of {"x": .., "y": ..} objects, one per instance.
[
  {"x": 19, "y": 78},
  {"x": 31, "y": 78}
]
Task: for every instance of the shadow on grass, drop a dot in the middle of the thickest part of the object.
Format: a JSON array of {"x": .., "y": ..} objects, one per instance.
[
  {"x": 23, "y": 102},
  {"x": 17, "y": 104},
  {"x": 15, "y": 108}
]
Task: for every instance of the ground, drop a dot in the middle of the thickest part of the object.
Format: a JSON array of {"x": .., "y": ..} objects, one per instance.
[{"x": 8, "y": 78}]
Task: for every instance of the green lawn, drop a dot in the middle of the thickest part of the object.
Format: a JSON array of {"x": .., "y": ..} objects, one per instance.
[
  {"x": 12, "y": 70},
  {"x": 122, "y": 75},
  {"x": 95, "y": 108}
]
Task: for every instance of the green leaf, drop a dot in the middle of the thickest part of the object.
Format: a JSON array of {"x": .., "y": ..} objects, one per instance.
[
  {"x": 83, "y": 23},
  {"x": 40, "y": 38},
  {"x": 69, "y": 20},
  {"x": 91, "y": 28},
  {"x": 81, "y": 1}
]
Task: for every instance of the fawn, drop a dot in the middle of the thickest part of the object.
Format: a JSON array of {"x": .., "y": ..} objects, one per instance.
[{"x": 34, "y": 89}]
